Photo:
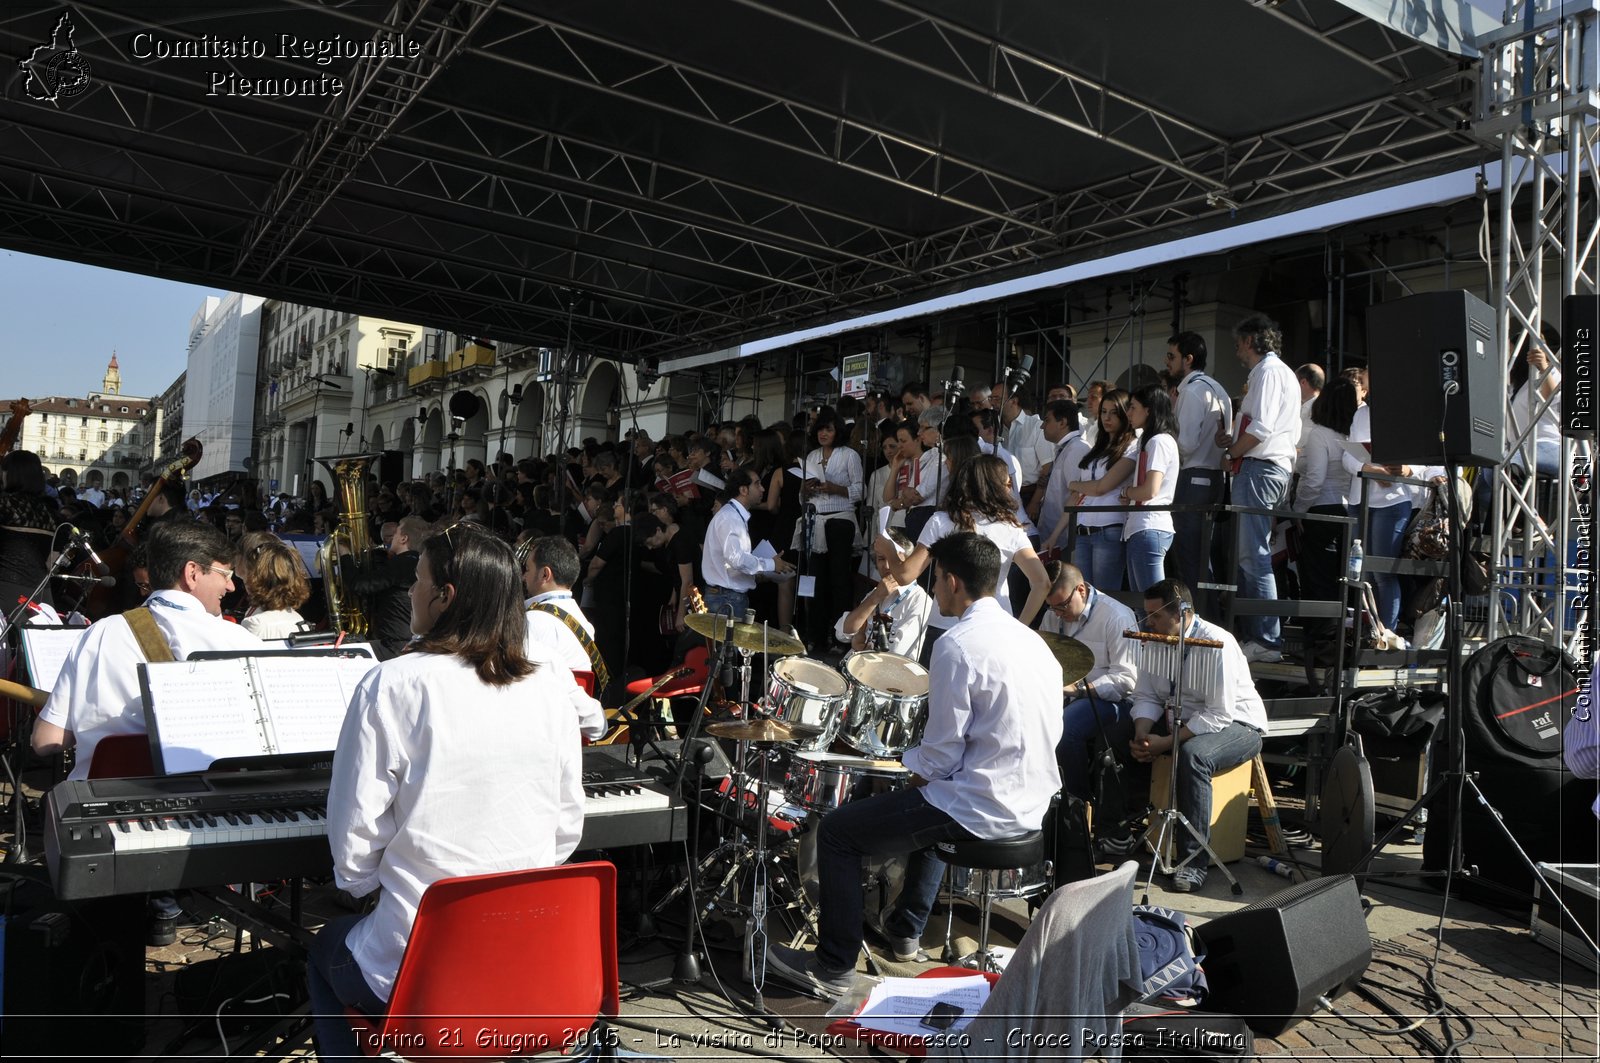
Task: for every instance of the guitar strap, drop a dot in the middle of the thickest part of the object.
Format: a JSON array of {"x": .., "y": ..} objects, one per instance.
[
  {"x": 602, "y": 675},
  {"x": 152, "y": 642}
]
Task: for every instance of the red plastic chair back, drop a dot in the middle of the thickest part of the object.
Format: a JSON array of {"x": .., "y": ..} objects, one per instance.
[
  {"x": 531, "y": 955},
  {"x": 697, "y": 660},
  {"x": 585, "y": 680},
  {"x": 122, "y": 757}
]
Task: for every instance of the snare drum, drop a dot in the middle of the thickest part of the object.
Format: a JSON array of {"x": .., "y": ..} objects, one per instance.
[
  {"x": 821, "y": 781},
  {"x": 808, "y": 692},
  {"x": 888, "y": 703},
  {"x": 1006, "y": 883}
]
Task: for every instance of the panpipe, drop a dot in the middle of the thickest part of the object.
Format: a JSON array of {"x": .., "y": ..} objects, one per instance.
[{"x": 1202, "y": 665}]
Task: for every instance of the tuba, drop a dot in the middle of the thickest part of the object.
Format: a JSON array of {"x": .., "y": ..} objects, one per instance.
[{"x": 352, "y": 536}]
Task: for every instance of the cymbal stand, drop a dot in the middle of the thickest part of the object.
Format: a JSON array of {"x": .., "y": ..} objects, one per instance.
[{"x": 1170, "y": 817}]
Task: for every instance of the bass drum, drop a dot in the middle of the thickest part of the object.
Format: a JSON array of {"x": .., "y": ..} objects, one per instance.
[
  {"x": 888, "y": 703},
  {"x": 809, "y": 693}
]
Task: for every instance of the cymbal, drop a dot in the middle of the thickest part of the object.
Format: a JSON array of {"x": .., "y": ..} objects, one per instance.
[
  {"x": 1077, "y": 660},
  {"x": 745, "y": 636},
  {"x": 761, "y": 731}
]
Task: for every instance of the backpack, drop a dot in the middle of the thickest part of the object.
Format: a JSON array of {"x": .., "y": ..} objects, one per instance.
[{"x": 1167, "y": 957}]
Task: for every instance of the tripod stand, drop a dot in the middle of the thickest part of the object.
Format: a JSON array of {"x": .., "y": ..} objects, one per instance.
[{"x": 1170, "y": 818}]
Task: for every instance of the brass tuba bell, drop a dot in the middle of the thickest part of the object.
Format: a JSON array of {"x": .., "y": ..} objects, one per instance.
[{"x": 351, "y": 536}]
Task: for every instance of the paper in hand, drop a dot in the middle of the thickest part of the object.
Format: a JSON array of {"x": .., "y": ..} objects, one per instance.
[{"x": 764, "y": 550}]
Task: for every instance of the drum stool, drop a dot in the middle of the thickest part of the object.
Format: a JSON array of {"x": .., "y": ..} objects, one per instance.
[{"x": 986, "y": 856}]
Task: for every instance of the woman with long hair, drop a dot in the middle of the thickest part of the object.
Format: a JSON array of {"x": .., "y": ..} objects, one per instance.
[
  {"x": 1102, "y": 472},
  {"x": 459, "y": 757},
  {"x": 1324, "y": 488},
  {"x": 1147, "y": 535},
  {"x": 274, "y": 577},
  {"x": 979, "y": 500},
  {"x": 772, "y": 519},
  {"x": 831, "y": 487}
]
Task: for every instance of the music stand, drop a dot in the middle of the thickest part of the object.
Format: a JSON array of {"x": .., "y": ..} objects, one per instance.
[{"x": 1170, "y": 818}]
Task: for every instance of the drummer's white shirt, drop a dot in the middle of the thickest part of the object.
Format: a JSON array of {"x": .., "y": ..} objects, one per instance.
[
  {"x": 994, "y": 718},
  {"x": 1116, "y": 659},
  {"x": 908, "y": 621}
]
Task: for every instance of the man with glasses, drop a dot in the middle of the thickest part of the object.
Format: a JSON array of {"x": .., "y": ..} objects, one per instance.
[
  {"x": 1101, "y": 703},
  {"x": 97, "y": 694}
]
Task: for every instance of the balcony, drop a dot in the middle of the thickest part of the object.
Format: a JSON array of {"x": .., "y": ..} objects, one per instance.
[
  {"x": 474, "y": 359},
  {"x": 426, "y": 377}
]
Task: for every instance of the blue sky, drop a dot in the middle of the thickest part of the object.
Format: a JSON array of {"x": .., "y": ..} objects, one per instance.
[{"x": 60, "y": 321}]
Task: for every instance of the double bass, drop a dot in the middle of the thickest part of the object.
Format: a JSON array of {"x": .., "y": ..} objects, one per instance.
[{"x": 102, "y": 601}]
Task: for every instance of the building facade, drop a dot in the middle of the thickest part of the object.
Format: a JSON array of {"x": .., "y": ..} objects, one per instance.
[
  {"x": 98, "y": 440},
  {"x": 220, "y": 385}
]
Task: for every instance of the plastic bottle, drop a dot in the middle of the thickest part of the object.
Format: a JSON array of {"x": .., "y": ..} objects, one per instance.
[
  {"x": 1352, "y": 567},
  {"x": 1277, "y": 866}
]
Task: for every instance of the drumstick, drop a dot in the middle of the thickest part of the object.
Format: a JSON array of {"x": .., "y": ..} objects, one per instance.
[
  {"x": 1171, "y": 640},
  {"x": 25, "y": 694}
]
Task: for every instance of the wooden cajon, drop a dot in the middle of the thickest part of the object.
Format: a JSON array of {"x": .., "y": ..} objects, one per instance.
[{"x": 1230, "y": 808}]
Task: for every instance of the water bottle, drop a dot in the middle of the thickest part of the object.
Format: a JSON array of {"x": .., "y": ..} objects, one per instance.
[
  {"x": 1279, "y": 867},
  {"x": 1352, "y": 567}
]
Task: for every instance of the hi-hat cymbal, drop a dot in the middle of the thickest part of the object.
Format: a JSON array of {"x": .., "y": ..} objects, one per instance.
[
  {"x": 753, "y": 638},
  {"x": 762, "y": 731},
  {"x": 1077, "y": 660}
]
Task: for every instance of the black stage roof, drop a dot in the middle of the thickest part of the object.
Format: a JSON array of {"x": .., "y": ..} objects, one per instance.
[{"x": 670, "y": 177}]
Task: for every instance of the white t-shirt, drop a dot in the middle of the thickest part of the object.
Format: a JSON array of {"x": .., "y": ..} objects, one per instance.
[
  {"x": 1008, "y": 537},
  {"x": 1159, "y": 455},
  {"x": 1090, "y": 514},
  {"x": 1357, "y": 454}
]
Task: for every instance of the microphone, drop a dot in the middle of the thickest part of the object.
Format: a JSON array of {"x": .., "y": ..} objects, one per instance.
[
  {"x": 954, "y": 386},
  {"x": 101, "y": 581},
  {"x": 1019, "y": 375},
  {"x": 82, "y": 541}
]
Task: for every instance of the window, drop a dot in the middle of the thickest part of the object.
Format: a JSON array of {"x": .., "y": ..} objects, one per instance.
[
  {"x": 73, "y": 403},
  {"x": 44, "y": 418},
  {"x": 83, "y": 422},
  {"x": 125, "y": 409}
]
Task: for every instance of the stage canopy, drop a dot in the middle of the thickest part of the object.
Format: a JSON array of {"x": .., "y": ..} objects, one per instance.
[{"x": 669, "y": 178}]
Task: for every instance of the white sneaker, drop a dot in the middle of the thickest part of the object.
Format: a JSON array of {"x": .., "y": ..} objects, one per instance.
[{"x": 1256, "y": 653}]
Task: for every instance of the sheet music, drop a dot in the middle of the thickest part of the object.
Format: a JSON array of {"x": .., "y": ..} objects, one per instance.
[
  {"x": 203, "y": 711},
  {"x": 46, "y": 651},
  {"x": 306, "y": 698}
]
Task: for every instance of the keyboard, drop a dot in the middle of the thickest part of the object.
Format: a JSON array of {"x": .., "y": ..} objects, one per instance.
[{"x": 107, "y": 837}]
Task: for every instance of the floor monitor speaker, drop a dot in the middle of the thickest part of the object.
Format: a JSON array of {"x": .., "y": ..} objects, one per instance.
[
  {"x": 1434, "y": 367},
  {"x": 1270, "y": 961}
]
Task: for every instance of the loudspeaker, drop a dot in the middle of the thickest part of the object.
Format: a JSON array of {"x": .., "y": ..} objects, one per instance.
[
  {"x": 1434, "y": 366},
  {"x": 1269, "y": 961}
]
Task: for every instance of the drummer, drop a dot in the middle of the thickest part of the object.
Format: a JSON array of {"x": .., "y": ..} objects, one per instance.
[
  {"x": 1097, "y": 620},
  {"x": 985, "y": 767},
  {"x": 899, "y": 611}
]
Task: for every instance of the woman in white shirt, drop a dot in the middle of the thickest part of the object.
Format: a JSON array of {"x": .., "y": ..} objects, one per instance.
[
  {"x": 1101, "y": 474},
  {"x": 460, "y": 757},
  {"x": 1324, "y": 488},
  {"x": 831, "y": 487},
  {"x": 979, "y": 500},
  {"x": 1147, "y": 534},
  {"x": 1540, "y": 383},
  {"x": 880, "y": 493},
  {"x": 1388, "y": 509},
  {"x": 274, "y": 577}
]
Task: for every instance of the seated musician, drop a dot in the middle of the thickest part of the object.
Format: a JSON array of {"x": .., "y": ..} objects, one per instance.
[
  {"x": 457, "y": 758},
  {"x": 1222, "y": 722},
  {"x": 97, "y": 694},
  {"x": 985, "y": 767},
  {"x": 1097, "y": 620},
  {"x": 901, "y": 611},
  {"x": 557, "y": 628},
  {"x": 275, "y": 578}
]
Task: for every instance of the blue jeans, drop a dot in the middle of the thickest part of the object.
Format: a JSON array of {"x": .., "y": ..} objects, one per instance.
[
  {"x": 1261, "y": 485},
  {"x": 1147, "y": 559},
  {"x": 717, "y": 601},
  {"x": 1099, "y": 557},
  {"x": 1385, "y": 535},
  {"x": 881, "y": 825},
  {"x": 1078, "y": 733},
  {"x": 336, "y": 982},
  {"x": 1191, "y": 546},
  {"x": 1199, "y": 760}
]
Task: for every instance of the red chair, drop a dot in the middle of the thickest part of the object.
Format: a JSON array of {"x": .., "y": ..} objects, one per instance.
[
  {"x": 122, "y": 757},
  {"x": 585, "y": 680},
  {"x": 901, "y": 1044},
  {"x": 529, "y": 955}
]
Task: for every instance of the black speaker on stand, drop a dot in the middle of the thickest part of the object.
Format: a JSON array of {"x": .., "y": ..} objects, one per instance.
[{"x": 1417, "y": 347}]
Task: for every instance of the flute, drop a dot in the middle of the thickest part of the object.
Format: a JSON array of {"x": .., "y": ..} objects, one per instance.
[{"x": 1171, "y": 640}]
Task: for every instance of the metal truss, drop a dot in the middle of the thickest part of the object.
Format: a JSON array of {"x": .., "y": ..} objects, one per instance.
[{"x": 1539, "y": 99}]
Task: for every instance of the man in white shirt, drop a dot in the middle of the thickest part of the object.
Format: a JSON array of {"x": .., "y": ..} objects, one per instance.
[
  {"x": 1311, "y": 379},
  {"x": 97, "y": 694},
  {"x": 903, "y": 609},
  {"x": 1202, "y": 408},
  {"x": 1101, "y": 702},
  {"x": 1221, "y": 724},
  {"x": 985, "y": 766},
  {"x": 1024, "y": 437},
  {"x": 554, "y": 620},
  {"x": 726, "y": 559},
  {"x": 1061, "y": 431},
  {"x": 1264, "y": 447}
]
